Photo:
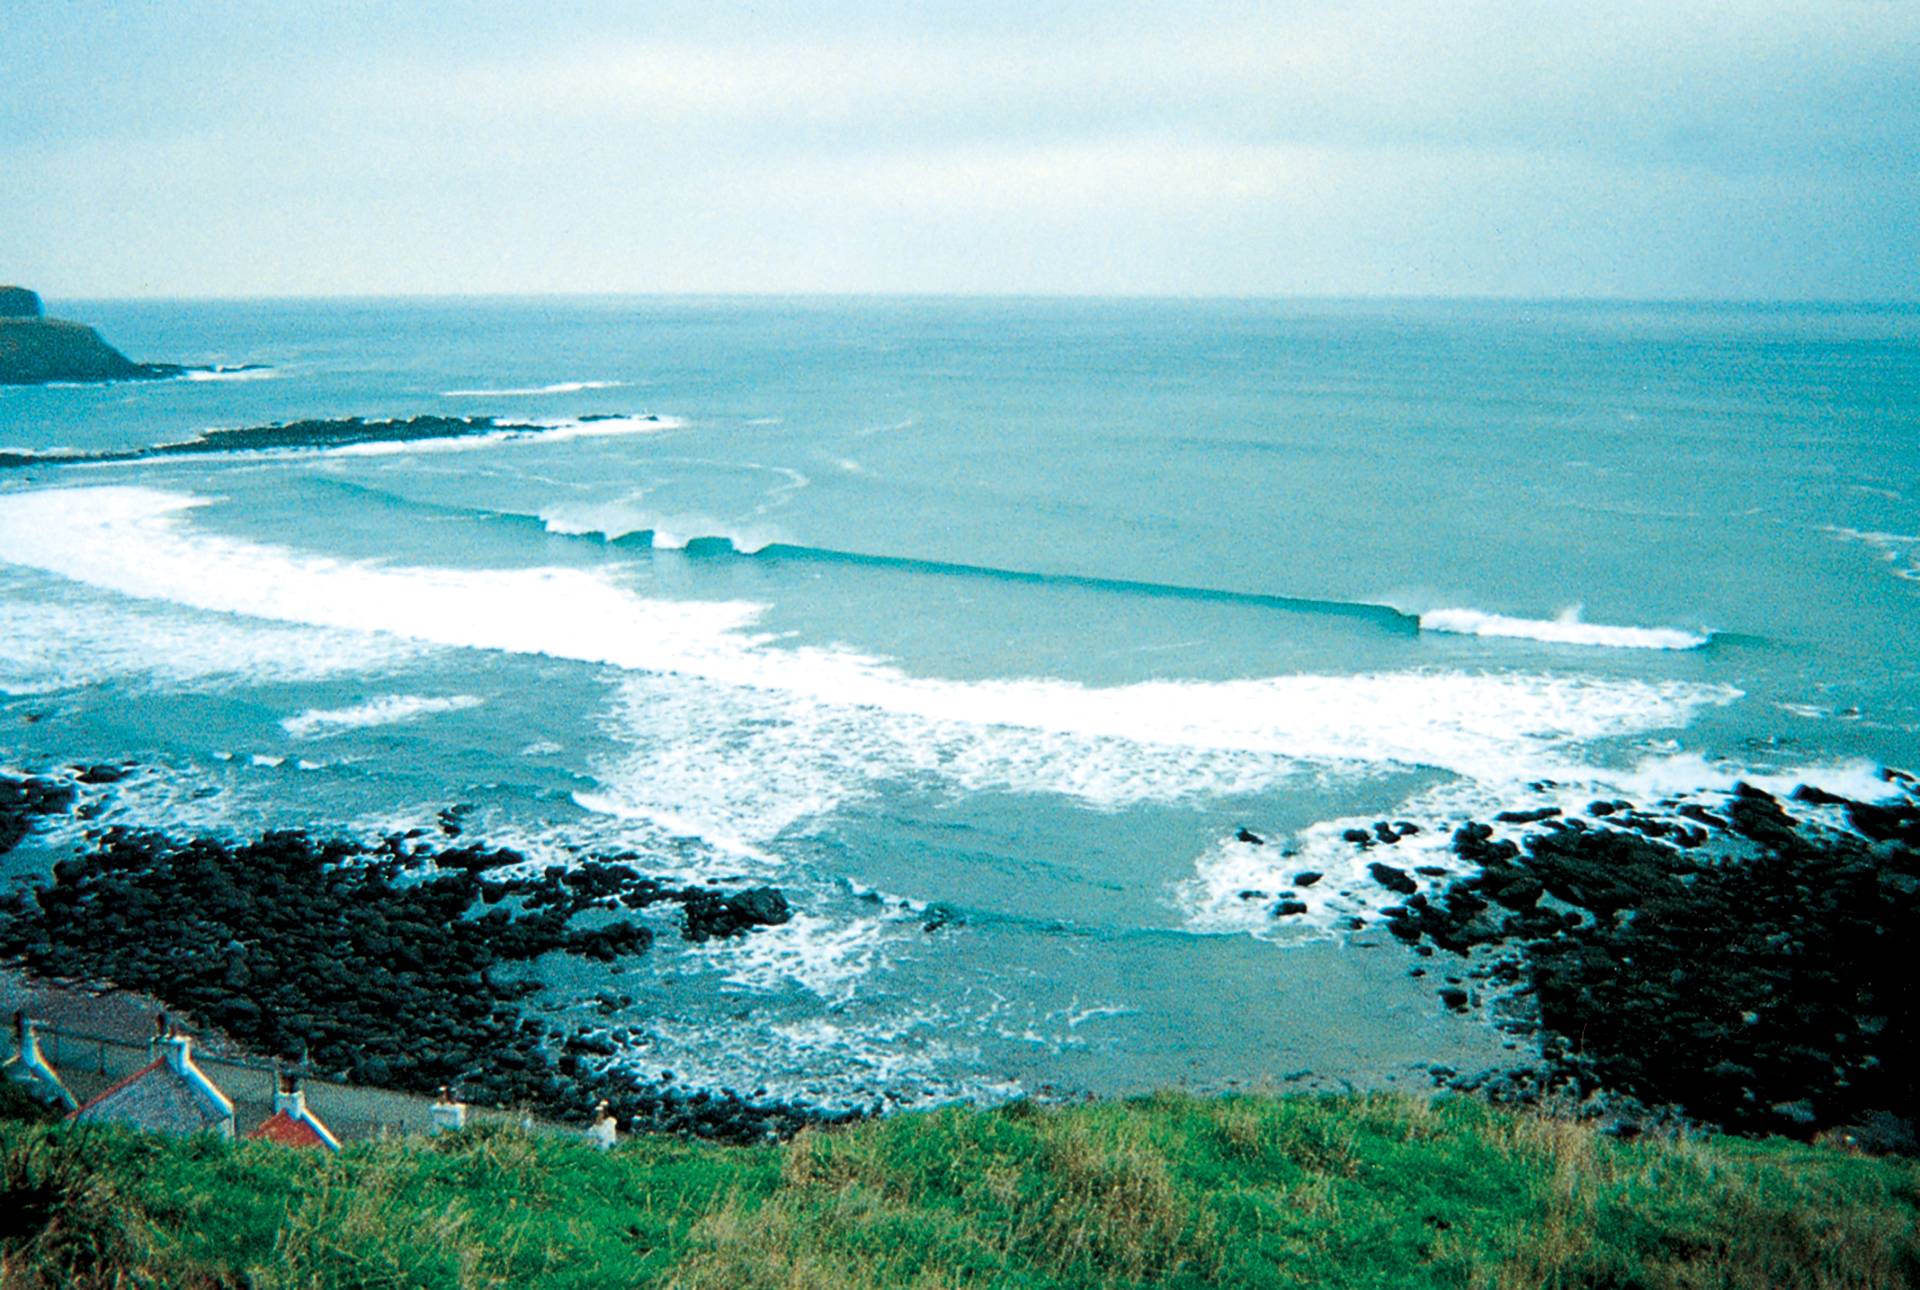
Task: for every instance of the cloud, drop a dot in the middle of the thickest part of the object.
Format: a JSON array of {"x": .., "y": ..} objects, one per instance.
[{"x": 1752, "y": 147}]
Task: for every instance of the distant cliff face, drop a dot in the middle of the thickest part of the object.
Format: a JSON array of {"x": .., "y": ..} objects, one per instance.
[
  {"x": 35, "y": 349},
  {"x": 18, "y": 302}
]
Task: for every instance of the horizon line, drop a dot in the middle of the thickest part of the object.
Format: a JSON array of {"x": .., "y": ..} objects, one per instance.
[{"x": 1809, "y": 301}]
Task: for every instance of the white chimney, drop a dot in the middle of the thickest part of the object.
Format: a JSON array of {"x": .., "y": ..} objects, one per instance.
[
  {"x": 31, "y": 1069},
  {"x": 290, "y": 1100},
  {"x": 605, "y": 1130},
  {"x": 446, "y": 1115},
  {"x": 177, "y": 1052}
]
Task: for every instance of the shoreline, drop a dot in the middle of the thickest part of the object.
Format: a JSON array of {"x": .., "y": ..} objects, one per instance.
[{"x": 1552, "y": 935}]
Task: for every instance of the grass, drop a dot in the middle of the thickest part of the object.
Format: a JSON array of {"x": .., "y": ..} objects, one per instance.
[{"x": 1169, "y": 1190}]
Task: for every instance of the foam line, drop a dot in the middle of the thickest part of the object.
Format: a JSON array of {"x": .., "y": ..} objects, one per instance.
[
  {"x": 1567, "y": 629},
  {"x": 383, "y": 711},
  {"x": 526, "y": 391}
]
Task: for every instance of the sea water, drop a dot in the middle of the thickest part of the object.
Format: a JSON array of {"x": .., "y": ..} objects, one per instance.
[{"x": 1002, "y": 618}]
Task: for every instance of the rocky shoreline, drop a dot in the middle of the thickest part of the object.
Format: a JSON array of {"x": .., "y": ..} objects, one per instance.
[
  {"x": 1736, "y": 960},
  {"x": 1746, "y": 965},
  {"x": 389, "y": 965},
  {"x": 314, "y": 434}
]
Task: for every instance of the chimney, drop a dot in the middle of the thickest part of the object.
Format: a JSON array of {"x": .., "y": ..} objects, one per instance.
[
  {"x": 288, "y": 1098},
  {"x": 605, "y": 1130},
  {"x": 178, "y": 1050},
  {"x": 446, "y": 1115},
  {"x": 31, "y": 1069}
]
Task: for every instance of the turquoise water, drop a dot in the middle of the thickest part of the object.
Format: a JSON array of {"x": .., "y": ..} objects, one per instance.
[{"x": 1021, "y": 608}]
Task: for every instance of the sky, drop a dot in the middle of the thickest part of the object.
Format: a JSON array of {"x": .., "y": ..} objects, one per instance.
[{"x": 1748, "y": 149}]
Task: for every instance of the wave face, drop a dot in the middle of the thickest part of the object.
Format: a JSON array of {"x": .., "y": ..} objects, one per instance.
[
  {"x": 1567, "y": 629},
  {"x": 734, "y": 730},
  {"x": 629, "y": 521}
]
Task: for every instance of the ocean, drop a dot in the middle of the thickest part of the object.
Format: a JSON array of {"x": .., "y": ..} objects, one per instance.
[{"x": 1033, "y": 648}]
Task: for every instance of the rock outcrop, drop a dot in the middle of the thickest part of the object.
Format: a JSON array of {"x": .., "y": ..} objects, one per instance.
[{"x": 35, "y": 349}]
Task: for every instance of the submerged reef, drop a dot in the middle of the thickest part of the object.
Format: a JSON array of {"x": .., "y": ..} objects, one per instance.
[{"x": 314, "y": 434}]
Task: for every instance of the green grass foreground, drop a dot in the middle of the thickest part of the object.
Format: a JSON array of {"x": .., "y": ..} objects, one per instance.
[{"x": 1168, "y": 1190}]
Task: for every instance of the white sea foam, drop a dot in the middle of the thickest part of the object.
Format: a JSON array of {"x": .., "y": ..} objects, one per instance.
[
  {"x": 822, "y": 956},
  {"x": 734, "y": 733},
  {"x": 48, "y": 645},
  {"x": 1235, "y": 884},
  {"x": 556, "y": 430},
  {"x": 670, "y": 531},
  {"x": 558, "y": 387},
  {"x": 847, "y": 1056},
  {"x": 383, "y": 711},
  {"x": 673, "y": 530},
  {"x": 230, "y": 374},
  {"x": 1564, "y": 629}
]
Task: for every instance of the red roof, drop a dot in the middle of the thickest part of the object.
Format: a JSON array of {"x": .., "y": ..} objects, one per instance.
[
  {"x": 106, "y": 1093},
  {"x": 287, "y": 1131}
]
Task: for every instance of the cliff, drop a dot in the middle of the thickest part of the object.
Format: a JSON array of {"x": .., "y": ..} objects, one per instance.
[{"x": 35, "y": 349}]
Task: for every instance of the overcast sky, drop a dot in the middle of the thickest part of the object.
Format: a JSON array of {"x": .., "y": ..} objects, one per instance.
[{"x": 1661, "y": 149}]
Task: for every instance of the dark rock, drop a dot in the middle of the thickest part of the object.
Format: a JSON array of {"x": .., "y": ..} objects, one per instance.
[
  {"x": 1393, "y": 879},
  {"x": 1528, "y": 817},
  {"x": 1701, "y": 814},
  {"x": 1759, "y": 989},
  {"x": 24, "y": 799},
  {"x": 1250, "y": 837},
  {"x": 383, "y": 968},
  {"x": 1287, "y": 908},
  {"x": 708, "y": 914},
  {"x": 1306, "y": 878},
  {"x": 1359, "y": 837},
  {"x": 1454, "y": 997}
]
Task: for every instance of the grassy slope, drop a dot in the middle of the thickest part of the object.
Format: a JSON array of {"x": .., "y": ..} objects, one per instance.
[{"x": 1171, "y": 1190}]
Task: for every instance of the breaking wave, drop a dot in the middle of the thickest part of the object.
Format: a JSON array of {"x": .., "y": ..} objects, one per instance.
[
  {"x": 527, "y": 391},
  {"x": 1565, "y": 629},
  {"x": 737, "y": 733}
]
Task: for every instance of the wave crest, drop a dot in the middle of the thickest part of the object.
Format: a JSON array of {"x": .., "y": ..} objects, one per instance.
[{"x": 1565, "y": 629}]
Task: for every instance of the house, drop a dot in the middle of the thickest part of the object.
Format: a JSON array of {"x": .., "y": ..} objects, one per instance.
[
  {"x": 29, "y": 1069},
  {"x": 168, "y": 1095},
  {"x": 292, "y": 1124}
]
